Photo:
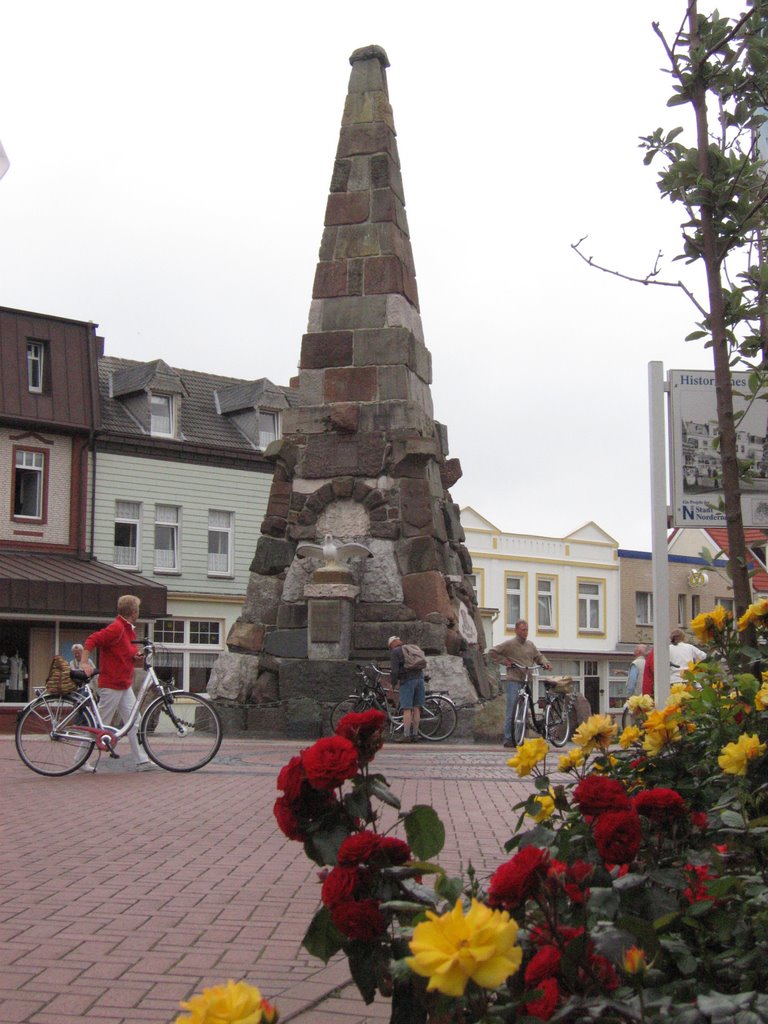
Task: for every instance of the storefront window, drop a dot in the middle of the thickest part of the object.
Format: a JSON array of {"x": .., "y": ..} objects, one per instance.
[{"x": 188, "y": 651}]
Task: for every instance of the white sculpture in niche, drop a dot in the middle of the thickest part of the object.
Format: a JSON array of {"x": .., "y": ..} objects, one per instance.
[{"x": 335, "y": 553}]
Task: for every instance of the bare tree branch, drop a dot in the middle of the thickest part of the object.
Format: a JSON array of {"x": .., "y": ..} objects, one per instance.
[{"x": 650, "y": 278}]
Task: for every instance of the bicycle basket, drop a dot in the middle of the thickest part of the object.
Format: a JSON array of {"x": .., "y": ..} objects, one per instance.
[
  {"x": 559, "y": 684},
  {"x": 59, "y": 682}
]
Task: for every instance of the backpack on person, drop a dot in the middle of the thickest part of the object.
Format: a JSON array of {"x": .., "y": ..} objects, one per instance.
[{"x": 414, "y": 659}]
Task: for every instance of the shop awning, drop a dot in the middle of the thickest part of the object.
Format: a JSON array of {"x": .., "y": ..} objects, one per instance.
[{"x": 61, "y": 585}]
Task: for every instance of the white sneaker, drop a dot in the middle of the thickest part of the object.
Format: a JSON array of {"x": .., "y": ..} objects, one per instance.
[
  {"x": 147, "y": 766},
  {"x": 87, "y": 768}
]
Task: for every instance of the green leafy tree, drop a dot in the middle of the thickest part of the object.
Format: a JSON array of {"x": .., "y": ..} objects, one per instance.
[{"x": 715, "y": 169}]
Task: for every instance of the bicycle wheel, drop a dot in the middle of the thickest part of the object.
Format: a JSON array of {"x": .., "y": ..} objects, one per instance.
[
  {"x": 520, "y": 719},
  {"x": 438, "y": 718},
  {"x": 37, "y": 743},
  {"x": 354, "y": 702},
  {"x": 181, "y": 731},
  {"x": 557, "y": 722}
]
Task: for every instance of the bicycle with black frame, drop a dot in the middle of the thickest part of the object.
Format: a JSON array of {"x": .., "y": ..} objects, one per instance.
[
  {"x": 438, "y": 718},
  {"x": 555, "y": 724}
]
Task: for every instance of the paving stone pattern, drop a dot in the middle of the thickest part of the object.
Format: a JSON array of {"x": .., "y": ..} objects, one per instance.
[{"x": 123, "y": 893}]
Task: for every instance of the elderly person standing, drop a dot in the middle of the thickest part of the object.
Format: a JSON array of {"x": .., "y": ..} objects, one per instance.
[
  {"x": 518, "y": 653},
  {"x": 636, "y": 670},
  {"x": 77, "y": 659}
]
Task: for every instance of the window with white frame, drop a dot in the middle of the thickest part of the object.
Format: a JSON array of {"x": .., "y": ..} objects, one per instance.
[
  {"x": 643, "y": 608},
  {"x": 682, "y": 610},
  {"x": 590, "y": 606},
  {"x": 166, "y": 538},
  {"x": 759, "y": 551},
  {"x": 695, "y": 605},
  {"x": 267, "y": 428},
  {"x": 161, "y": 416},
  {"x": 127, "y": 519},
  {"x": 546, "y": 603},
  {"x": 35, "y": 365},
  {"x": 29, "y": 484},
  {"x": 189, "y": 651},
  {"x": 514, "y": 599},
  {"x": 220, "y": 526},
  {"x": 726, "y": 602}
]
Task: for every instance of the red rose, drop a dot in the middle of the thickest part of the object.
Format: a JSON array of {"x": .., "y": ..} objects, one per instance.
[
  {"x": 514, "y": 881},
  {"x": 561, "y": 936},
  {"x": 544, "y": 964},
  {"x": 699, "y": 819},
  {"x": 544, "y": 1005},
  {"x": 394, "y": 850},
  {"x": 618, "y": 836},
  {"x": 340, "y": 885},
  {"x": 359, "y": 919},
  {"x": 698, "y": 874},
  {"x": 358, "y": 849},
  {"x": 571, "y": 878},
  {"x": 290, "y": 778},
  {"x": 596, "y": 794},
  {"x": 365, "y": 729},
  {"x": 329, "y": 762},
  {"x": 599, "y": 975},
  {"x": 286, "y": 820},
  {"x": 661, "y": 805}
]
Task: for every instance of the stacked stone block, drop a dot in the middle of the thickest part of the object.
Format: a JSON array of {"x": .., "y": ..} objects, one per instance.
[{"x": 361, "y": 456}]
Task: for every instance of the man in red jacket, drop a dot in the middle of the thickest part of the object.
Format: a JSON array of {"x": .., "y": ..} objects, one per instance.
[{"x": 117, "y": 644}]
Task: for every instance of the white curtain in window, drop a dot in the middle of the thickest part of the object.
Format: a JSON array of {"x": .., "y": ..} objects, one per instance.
[
  {"x": 127, "y": 510},
  {"x": 166, "y": 514}
]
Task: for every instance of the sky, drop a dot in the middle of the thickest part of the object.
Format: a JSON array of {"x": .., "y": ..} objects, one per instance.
[{"x": 169, "y": 169}]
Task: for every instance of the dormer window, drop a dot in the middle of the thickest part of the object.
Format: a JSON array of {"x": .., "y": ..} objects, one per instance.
[
  {"x": 35, "y": 356},
  {"x": 267, "y": 428},
  {"x": 161, "y": 416}
]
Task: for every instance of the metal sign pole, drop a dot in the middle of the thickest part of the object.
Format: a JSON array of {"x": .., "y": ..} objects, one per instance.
[{"x": 659, "y": 532}]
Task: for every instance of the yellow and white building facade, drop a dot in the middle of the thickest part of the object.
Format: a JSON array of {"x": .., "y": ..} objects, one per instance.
[{"x": 567, "y": 589}]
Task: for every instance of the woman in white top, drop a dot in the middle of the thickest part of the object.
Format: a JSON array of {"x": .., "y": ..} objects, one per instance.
[{"x": 681, "y": 654}]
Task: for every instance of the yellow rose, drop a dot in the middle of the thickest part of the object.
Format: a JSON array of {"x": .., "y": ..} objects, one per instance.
[
  {"x": 233, "y": 1003},
  {"x": 454, "y": 949},
  {"x": 761, "y": 699},
  {"x": 573, "y": 759},
  {"x": 735, "y": 757},
  {"x": 754, "y": 613},
  {"x": 597, "y": 731},
  {"x": 546, "y": 802},
  {"x": 641, "y": 702},
  {"x": 679, "y": 693},
  {"x": 660, "y": 729},
  {"x": 528, "y": 756},
  {"x": 629, "y": 736}
]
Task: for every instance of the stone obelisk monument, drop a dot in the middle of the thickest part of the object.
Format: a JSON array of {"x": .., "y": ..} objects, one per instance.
[{"x": 361, "y": 459}]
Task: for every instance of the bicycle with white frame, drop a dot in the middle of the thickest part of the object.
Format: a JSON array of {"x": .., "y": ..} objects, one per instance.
[{"x": 56, "y": 734}]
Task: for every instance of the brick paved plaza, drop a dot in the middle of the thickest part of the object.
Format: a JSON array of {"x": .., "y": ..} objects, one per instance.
[{"x": 123, "y": 893}]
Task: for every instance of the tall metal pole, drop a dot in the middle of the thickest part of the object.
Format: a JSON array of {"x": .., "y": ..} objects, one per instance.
[{"x": 657, "y": 419}]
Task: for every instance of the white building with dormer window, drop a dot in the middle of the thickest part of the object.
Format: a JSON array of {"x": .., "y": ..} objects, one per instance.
[{"x": 567, "y": 589}]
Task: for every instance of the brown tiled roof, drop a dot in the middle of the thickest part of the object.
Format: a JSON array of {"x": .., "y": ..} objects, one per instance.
[
  {"x": 720, "y": 537},
  {"x": 65, "y": 585}
]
